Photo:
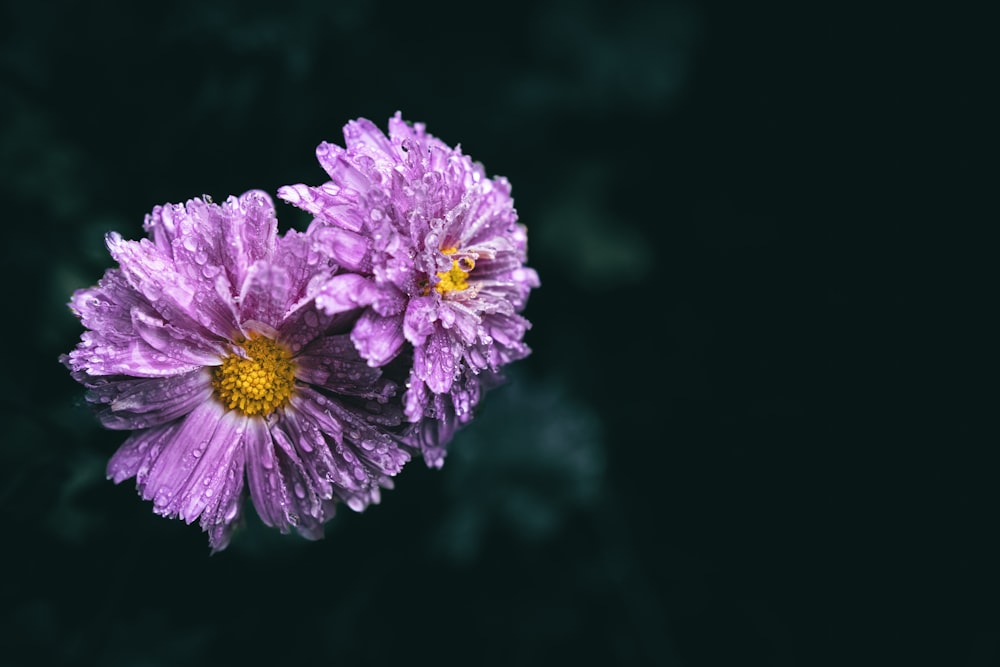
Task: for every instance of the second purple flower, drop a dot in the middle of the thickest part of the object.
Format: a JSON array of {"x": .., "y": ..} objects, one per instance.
[{"x": 444, "y": 255}]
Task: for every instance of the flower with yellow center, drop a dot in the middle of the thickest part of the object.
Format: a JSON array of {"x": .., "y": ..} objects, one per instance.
[
  {"x": 259, "y": 382},
  {"x": 454, "y": 279}
]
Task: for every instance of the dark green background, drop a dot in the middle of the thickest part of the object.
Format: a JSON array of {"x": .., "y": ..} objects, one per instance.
[{"x": 746, "y": 436}]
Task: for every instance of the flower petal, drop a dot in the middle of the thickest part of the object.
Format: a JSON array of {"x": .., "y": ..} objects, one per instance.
[
  {"x": 436, "y": 361},
  {"x": 332, "y": 362},
  {"x": 146, "y": 402},
  {"x": 169, "y": 478},
  {"x": 328, "y": 202},
  {"x": 139, "y": 451},
  {"x": 379, "y": 339},
  {"x": 265, "y": 294},
  {"x": 217, "y": 459},
  {"x": 111, "y": 347},
  {"x": 267, "y": 492},
  {"x": 186, "y": 346},
  {"x": 345, "y": 292},
  {"x": 224, "y": 510},
  {"x": 180, "y": 301}
]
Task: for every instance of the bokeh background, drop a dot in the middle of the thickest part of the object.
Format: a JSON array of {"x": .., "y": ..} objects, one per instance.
[{"x": 742, "y": 438}]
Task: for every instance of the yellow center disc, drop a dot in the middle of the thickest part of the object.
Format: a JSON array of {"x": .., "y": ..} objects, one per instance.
[{"x": 259, "y": 382}]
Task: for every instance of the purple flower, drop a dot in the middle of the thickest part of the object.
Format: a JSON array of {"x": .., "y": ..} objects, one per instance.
[
  {"x": 225, "y": 349},
  {"x": 445, "y": 254}
]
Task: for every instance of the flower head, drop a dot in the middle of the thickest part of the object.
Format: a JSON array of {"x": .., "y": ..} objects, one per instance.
[
  {"x": 224, "y": 347},
  {"x": 445, "y": 257}
]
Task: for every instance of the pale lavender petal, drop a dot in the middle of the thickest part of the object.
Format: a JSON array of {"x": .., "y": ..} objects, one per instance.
[
  {"x": 341, "y": 171},
  {"x": 362, "y": 133},
  {"x": 309, "y": 265},
  {"x": 107, "y": 308}
]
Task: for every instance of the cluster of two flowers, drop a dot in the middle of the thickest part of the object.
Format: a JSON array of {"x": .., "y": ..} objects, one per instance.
[{"x": 304, "y": 369}]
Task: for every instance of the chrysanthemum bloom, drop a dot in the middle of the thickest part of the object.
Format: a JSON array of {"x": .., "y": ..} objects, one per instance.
[
  {"x": 446, "y": 256},
  {"x": 224, "y": 347}
]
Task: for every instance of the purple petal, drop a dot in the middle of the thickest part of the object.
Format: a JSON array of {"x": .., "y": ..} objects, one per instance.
[
  {"x": 418, "y": 323},
  {"x": 379, "y": 339},
  {"x": 376, "y": 449},
  {"x": 139, "y": 451},
  {"x": 267, "y": 492},
  {"x": 168, "y": 479},
  {"x": 333, "y": 362},
  {"x": 432, "y": 436},
  {"x": 328, "y": 203},
  {"x": 143, "y": 403},
  {"x": 306, "y": 324},
  {"x": 350, "y": 249},
  {"x": 362, "y": 133},
  {"x": 250, "y": 231},
  {"x": 307, "y": 487},
  {"x": 210, "y": 478},
  {"x": 173, "y": 295},
  {"x": 265, "y": 294},
  {"x": 112, "y": 347},
  {"x": 224, "y": 510},
  {"x": 94, "y": 355},
  {"x": 436, "y": 361},
  {"x": 345, "y": 292},
  {"x": 187, "y": 347}
]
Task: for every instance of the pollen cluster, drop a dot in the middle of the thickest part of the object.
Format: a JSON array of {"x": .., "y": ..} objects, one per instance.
[
  {"x": 258, "y": 383},
  {"x": 456, "y": 278}
]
